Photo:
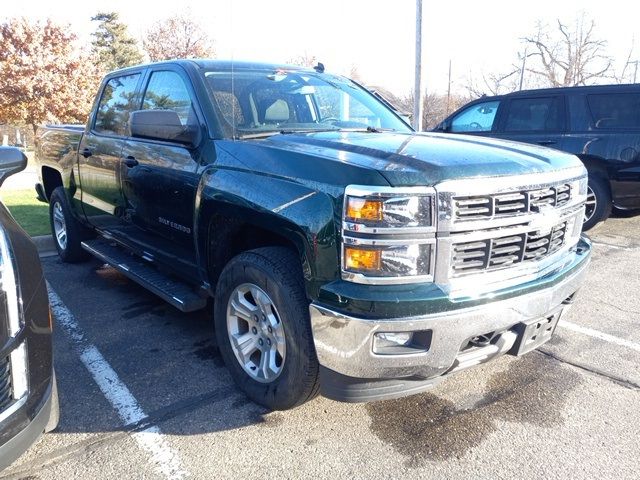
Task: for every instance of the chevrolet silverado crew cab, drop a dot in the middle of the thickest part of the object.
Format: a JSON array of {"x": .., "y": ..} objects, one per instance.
[
  {"x": 600, "y": 124},
  {"x": 344, "y": 253}
]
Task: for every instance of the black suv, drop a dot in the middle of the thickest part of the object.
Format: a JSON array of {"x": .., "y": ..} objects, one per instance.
[
  {"x": 28, "y": 393},
  {"x": 600, "y": 124}
]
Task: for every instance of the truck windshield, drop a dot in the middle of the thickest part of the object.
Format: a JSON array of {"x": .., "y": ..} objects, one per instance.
[{"x": 252, "y": 103}]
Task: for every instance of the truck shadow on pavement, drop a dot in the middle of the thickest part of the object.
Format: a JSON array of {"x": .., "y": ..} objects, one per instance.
[
  {"x": 167, "y": 359},
  {"x": 426, "y": 427}
]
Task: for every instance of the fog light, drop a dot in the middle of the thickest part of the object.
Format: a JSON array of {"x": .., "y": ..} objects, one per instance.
[
  {"x": 362, "y": 259},
  {"x": 19, "y": 371},
  {"x": 401, "y": 343}
]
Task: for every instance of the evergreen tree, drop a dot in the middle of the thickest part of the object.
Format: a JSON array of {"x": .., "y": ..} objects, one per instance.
[{"x": 112, "y": 45}]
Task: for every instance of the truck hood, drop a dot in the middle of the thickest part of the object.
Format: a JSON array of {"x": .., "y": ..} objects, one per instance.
[{"x": 426, "y": 159}]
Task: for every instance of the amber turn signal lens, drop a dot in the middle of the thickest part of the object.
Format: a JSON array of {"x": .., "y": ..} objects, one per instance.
[
  {"x": 363, "y": 209},
  {"x": 361, "y": 259}
]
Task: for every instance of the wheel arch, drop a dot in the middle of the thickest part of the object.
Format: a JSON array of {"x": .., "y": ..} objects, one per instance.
[
  {"x": 276, "y": 212},
  {"x": 51, "y": 179},
  {"x": 595, "y": 165}
]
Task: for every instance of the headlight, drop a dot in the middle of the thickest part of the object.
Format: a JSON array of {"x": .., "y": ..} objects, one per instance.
[
  {"x": 388, "y": 235},
  {"x": 9, "y": 287},
  {"x": 11, "y": 312},
  {"x": 389, "y": 210}
]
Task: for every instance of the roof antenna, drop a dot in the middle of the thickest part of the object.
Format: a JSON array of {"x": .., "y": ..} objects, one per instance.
[{"x": 319, "y": 67}]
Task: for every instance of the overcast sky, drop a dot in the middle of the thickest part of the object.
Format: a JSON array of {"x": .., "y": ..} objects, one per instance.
[{"x": 377, "y": 36}]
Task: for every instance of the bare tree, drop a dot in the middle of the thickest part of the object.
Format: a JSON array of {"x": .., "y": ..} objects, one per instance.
[
  {"x": 493, "y": 83},
  {"x": 629, "y": 71},
  {"x": 570, "y": 55},
  {"x": 434, "y": 107},
  {"x": 177, "y": 37}
]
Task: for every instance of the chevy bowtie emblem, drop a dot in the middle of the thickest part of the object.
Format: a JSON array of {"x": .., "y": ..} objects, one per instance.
[{"x": 546, "y": 219}]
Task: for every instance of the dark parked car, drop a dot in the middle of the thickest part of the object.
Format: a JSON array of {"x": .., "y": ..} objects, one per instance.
[
  {"x": 28, "y": 394},
  {"x": 600, "y": 124}
]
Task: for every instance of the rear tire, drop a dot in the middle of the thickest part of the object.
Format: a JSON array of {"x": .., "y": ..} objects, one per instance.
[
  {"x": 598, "y": 206},
  {"x": 263, "y": 328},
  {"x": 67, "y": 231}
]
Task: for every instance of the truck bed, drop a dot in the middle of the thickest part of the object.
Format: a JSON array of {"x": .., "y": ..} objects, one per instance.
[{"x": 56, "y": 146}]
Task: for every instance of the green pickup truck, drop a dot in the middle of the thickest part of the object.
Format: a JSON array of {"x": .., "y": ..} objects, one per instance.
[{"x": 343, "y": 253}]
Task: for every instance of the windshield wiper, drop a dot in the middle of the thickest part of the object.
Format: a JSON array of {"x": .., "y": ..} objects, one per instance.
[
  {"x": 248, "y": 136},
  {"x": 291, "y": 131},
  {"x": 379, "y": 130}
]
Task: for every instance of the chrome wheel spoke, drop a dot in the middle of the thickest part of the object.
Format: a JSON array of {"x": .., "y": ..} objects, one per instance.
[
  {"x": 263, "y": 302},
  {"x": 590, "y": 205},
  {"x": 268, "y": 367},
  {"x": 242, "y": 308},
  {"x": 59, "y": 225},
  {"x": 244, "y": 346}
]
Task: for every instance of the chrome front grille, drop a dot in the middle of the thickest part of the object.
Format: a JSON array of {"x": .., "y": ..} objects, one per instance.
[
  {"x": 511, "y": 203},
  {"x": 6, "y": 390},
  {"x": 494, "y": 253}
]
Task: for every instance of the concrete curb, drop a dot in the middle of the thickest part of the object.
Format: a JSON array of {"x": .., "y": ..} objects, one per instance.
[{"x": 45, "y": 245}]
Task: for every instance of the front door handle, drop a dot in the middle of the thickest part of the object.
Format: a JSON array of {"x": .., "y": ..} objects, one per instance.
[
  {"x": 130, "y": 161},
  {"x": 547, "y": 142}
]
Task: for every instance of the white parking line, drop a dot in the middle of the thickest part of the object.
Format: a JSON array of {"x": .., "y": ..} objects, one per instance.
[
  {"x": 600, "y": 335},
  {"x": 163, "y": 458},
  {"x": 616, "y": 247}
]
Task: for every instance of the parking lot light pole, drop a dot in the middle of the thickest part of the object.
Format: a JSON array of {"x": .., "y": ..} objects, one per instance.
[{"x": 417, "y": 93}]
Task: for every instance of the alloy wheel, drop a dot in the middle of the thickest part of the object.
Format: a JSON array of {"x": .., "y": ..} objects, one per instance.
[
  {"x": 590, "y": 205},
  {"x": 59, "y": 226},
  {"x": 256, "y": 333}
]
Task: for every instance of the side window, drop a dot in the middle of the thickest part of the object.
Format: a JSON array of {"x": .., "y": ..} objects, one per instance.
[
  {"x": 534, "y": 115},
  {"x": 477, "y": 118},
  {"x": 167, "y": 91},
  {"x": 117, "y": 101},
  {"x": 616, "y": 110}
]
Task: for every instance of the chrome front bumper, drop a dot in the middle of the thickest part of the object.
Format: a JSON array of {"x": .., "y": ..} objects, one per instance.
[{"x": 344, "y": 343}]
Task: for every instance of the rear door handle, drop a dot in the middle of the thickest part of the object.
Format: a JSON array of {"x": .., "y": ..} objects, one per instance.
[
  {"x": 86, "y": 153},
  {"x": 130, "y": 161},
  {"x": 547, "y": 142}
]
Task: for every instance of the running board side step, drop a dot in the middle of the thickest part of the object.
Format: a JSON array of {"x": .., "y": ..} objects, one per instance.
[{"x": 179, "y": 294}]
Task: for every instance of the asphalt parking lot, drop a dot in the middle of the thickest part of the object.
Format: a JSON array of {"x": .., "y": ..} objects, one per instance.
[{"x": 165, "y": 407}]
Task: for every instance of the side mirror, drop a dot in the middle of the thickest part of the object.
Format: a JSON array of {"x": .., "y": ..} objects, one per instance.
[
  {"x": 442, "y": 126},
  {"x": 12, "y": 160},
  {"x": 161, "y": 125}
]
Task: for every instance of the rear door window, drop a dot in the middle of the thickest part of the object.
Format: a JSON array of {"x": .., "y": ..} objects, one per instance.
[
  {"x": 543, "y": 114},
  {"x": 615, "y": 110},
  {"x": 117, "y": 101},
  {"x": 477, "y": 118}
]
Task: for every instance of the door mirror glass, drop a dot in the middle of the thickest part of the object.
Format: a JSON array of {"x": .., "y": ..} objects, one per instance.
[
  {"x": 161, "y": 125},
  {"x": 12, "y": 160},
  {"x": 442, "y": 126}
]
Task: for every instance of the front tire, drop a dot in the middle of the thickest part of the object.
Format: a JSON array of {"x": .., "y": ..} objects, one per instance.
[
  {"x": 263, "y": 329},
  {"x": 67, "y": 231},
  {"x": 598, "y": 207}
]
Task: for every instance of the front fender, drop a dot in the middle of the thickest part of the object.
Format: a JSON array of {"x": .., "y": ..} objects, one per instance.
[{"x": 305, "y": 217}]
